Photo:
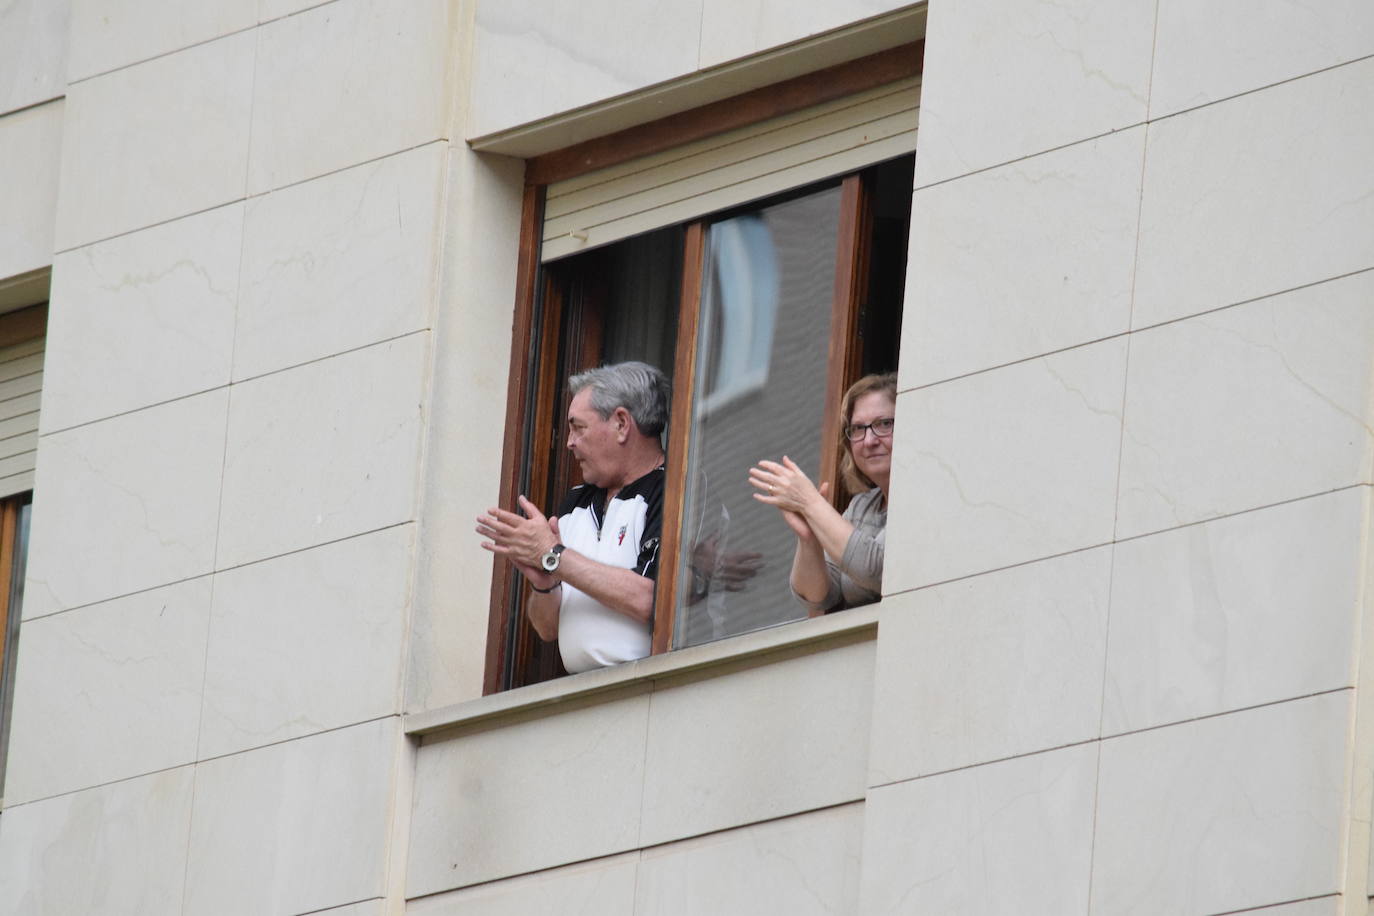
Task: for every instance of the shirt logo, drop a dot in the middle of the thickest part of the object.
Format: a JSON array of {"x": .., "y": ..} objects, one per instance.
[{"x": 621, "y": 540}]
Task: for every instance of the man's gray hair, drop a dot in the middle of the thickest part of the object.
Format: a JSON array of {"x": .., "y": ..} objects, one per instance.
[{"x": 640, "y": 388}]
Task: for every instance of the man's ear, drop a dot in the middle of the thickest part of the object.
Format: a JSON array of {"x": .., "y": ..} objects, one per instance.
[{"x": 624, "y": 424}]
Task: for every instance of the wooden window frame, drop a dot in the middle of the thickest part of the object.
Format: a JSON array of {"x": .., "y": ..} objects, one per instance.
[
  {"x": 10, "y": 509},
  {"x": 539, "y": 313}
]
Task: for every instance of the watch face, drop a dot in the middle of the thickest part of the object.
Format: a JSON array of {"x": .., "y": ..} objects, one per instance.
[{"x": 549, "y": 561}]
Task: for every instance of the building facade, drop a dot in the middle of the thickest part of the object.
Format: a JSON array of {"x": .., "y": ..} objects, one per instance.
[{"x": 287, "y": 288}]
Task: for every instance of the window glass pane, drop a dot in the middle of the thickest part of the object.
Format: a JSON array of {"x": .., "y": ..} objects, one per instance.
[{"x": 762, "y": 351}]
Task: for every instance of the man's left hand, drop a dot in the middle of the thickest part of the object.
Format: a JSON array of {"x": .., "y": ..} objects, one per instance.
[{"x": 522, "y": 539}]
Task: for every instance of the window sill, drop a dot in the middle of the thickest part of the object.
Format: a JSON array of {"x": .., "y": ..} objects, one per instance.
[{"x": 749, "y": 646}]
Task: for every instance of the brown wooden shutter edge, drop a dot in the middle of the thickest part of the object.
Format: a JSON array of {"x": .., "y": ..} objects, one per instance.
[
  {"x": 513, "y": 456},
  {"x": 851, "y": 270},
  {"x": 9, "y": 529},
  {"x": 718, "y": 117},
  {"x": 675, "y": 489}
]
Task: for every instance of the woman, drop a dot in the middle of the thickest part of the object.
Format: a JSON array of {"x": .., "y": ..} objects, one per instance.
[{"x": 839, "y": 559}]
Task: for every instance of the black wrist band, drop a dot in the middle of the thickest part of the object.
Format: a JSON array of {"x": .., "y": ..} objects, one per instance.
[{"x": 545, "y": 591}]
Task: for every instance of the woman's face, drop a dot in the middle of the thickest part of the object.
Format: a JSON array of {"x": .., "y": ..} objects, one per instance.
[{"x": 873, "y": 455}]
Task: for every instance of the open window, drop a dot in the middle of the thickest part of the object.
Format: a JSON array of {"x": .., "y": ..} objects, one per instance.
[{"x": 763, "y": 270}]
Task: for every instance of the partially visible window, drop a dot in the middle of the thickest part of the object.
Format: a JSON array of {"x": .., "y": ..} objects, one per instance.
[{"x": 14, "y": 552}]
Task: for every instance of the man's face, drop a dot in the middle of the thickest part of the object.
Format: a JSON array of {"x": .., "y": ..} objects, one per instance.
[{"x": 592, "y": 440}]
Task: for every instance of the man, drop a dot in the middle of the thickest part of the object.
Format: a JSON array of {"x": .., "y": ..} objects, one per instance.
[{"x": 592, "y": 566}]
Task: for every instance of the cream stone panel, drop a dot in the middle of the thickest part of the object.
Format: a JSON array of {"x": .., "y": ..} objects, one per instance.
[
  {"x": 323, "y": 452},
  {"x": 732, "y": 29},
  {"x": 339, "y": 262},
  {"x": 544, "y": 57},
  {"x": 554, "y": 788},
  {"x": 806, "y": 865},
  {"x": 377, "y": 907},
  {"x": 1257, "y": 195},
  {"x": 126, "y": 504},
  {"x": 1022, "y": 260},
  {"x": 119, "y": 848},
  {"x": 1010, "y": 837},
  {"x": 605, "y": 887},
  {"x": 31, "y": 149},
  {"x": 1248, "y": 406},
  {"x": 989, "y": 667},
  {"x": 108, "y": 35},
  {"x": 1320, "y": 906},
  {"x": 33, "y": 46},
  {"x": 1005, "y": 466},
  {"x": 108, "y": 691},
  {"x": 1209, "y": 51},
  {"x": 1007, "y": 79},
  {"x": 799, "y": 743},
  {"x": 295, "y": 827},
  {"x": 142, "y": 319},
  {"x": 1224, "y": 813},
  {"x": 177, "y": 127},
  {"x": 472, "y": 339},
  {"x": 1236, "y": 612},
  {"x": 347, "y": 82},
  {"x": 306, "y": 642}
]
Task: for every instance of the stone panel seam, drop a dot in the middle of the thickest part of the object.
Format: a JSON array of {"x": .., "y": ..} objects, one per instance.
[
  {"x": 1149, "y": 327},
  {"x": 254, "y": 195},
  {"x": 152, "y": 588},
  {"x": 1113, "y": 737},
  {"x": 231, "y": 385},
  {"x": 199, "y": 761},
  {"x": 1135, "y": 124},
  {"x": 1270, "y": 906},
  {"x": 1127, "y": 540}
]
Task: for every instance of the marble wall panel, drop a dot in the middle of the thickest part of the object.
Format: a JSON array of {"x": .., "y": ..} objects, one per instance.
[
  {"x": 119, "y": 848},
  {"x": 275, "y": 9},
  {"x": 31, "y": 148},
  {"x": 376, "y": 907},
  {"x": 1248, "y": 406},
  {"x": 1224, "y": 813},
  {"x": 178, "y": 128},
  {"x": 1258, "y": 194},
  {"x": 990, "y": 667},
  {"x": 33, "y": 46},
  {"x": 1210, "y": 51},
  {"x": 347, "y": 82},
  {"x": 1235, "y": 612},
  {"x": 108, "y": 691},
  {"x": 529, "y": 794},
  {"x": 806, "y": 865},
  {"x": 1006, "y": 466},
  {"x": 605, "y": 887},
  {"x": 306, "y": 642},
  {"x": 1009, "y": 837},
  {"x": 325, "y": 804},
  {"x": 339, "y": 262},
  {"x": 322, "y": 452},
  {"x": 732, "y": 29},
  {"x": 126, "y": 504},
  {"x": 1007, "y": 79},
  {"x": 142, "y": 318},
  {"x": 106, "y": 36},
  {"x": 540, "y": 58},
  {"x": 1022, "y": 260},
  {"x": 800, "y": 742},
  {"x": 463, "y": 451}
]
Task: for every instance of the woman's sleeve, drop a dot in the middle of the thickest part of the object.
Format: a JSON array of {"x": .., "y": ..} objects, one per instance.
[
  {"x": 832, "y": 591},
  {"x": 863, "y": 555}
]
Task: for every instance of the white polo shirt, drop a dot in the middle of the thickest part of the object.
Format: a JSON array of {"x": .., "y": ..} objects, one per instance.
[{"x": 591, "y": 635}]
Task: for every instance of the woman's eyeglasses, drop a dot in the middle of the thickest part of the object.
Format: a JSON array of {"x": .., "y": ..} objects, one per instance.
[{"x": 882, "y": 428}]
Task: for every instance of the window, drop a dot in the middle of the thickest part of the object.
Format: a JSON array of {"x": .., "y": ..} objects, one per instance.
[
  {"x": 763, "y": 271},
  {"x": 14, "y": 549},
  {"x": 22, "y": 341}
]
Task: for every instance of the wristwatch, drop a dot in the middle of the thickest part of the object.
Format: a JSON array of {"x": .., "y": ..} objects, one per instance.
[{"x": 549, "y": 561}]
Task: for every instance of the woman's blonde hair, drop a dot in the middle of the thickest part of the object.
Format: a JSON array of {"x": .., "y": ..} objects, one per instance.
[{"x": 855, "y": 481}]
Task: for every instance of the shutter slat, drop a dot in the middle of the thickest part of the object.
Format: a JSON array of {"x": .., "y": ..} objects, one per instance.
[
  {"x": 734, "y": 168},
  {"x": 21, "y": 391}
]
